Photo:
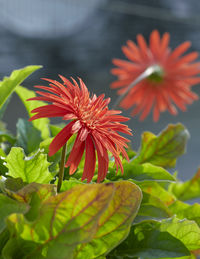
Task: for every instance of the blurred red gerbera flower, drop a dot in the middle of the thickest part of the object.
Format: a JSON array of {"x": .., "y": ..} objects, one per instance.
[
  {"x": 96, "y": 127},
  {"x": 169, "y": 85}
]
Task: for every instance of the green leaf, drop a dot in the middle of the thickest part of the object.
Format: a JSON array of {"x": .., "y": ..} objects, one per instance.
[
  {"x": 65, "y": 220},
  {"x": 188, "y": 190},
  {"x": 148, "y": 240},
  {"x": 4, "y": 236},
  {"x": 4, "y": 107},
  {"x": 114, "y": 224},
  {"x": 40, "y": 124},
  {"x": 155, "y": 201},
  {"x": 2, "y": 153},
  {"x": 156, "y": 190},
  {"x": 55, "y": 159},
  {"x": 9, "y": 206},
  {"x": 28, "y": 137},
  {"x": 186, "y": 231},
  {"x": 25, "y": 193},
  {"x": 29, "y": 169},
  {"x": 33, "y": 194},
  {"x": 3, "y": 168},
  {"x": 11, "y": 184},
  {"x": 131, "y": 153},
  {"x": 8, "y": 85},
  {"x": 4, "y": 136},
  {"x": 55, "y": 129},
  {"x": 152, "y": 207},
  {"x": 142, "y": 172},
  {"x": 68, "y": 184},
  {"x": 163, "y": 150},
  {"x": 167, "y": 238},
  {"x": 6, "y": 139},
  {"x": 183, "y": 210}
]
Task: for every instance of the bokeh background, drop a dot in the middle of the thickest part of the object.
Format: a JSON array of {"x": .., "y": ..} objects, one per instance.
[{"x": 80, "y": 38}]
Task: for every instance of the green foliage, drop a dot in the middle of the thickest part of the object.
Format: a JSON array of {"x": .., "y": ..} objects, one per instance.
[
  {"x": 121, "y": 212},
  {"x": 9, "y": 206},
  {"x": 185, "y": 230},
  {"x": 140, "y": 214},
  {"x": 163, "y": 150},
  {"x": 99, "y": 214},
  {"x": 156, "y": 201},
  {"x": 22, "y": 192},
  {"x": 41, "y": 124},
  {"x": 45, "y": 227},
  {"x": 2, "y": 153},
  {"x": 141, "y": 172},
  {"x": 68, "y": 184},
  {"x": 152, "y": 207},
  {"x": 55, "y": 234},
  {"x": 8, "y": 85},
  {"x": 28, "y": 137},
  {"x": 3, "y": 108},
  {"x": 157, "y": 190},
  {"x": 44, "y": 146},
  {"x": 154, "y": 239},
  {"x": 3, "y": 168},
  {"x": 186, "y": 211},
  {"x": 54, "y": 129},
  {"x": 29, "y": 169},
  {"x": 187, "y": 190},
  {"x": 7, "y": 137}
]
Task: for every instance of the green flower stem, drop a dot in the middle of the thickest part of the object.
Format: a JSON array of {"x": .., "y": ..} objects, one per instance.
[
  {"x": 62, "y": 167},
  {"x": 148, "y": 72}
]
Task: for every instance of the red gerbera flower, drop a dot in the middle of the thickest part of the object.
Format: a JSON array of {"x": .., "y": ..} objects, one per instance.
[
  {"x": 170, "y": 84},
  {"x": 96, "y": 127}
]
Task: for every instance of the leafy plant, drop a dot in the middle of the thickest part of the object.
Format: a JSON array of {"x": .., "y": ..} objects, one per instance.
[{"x": 141, "y": 213}]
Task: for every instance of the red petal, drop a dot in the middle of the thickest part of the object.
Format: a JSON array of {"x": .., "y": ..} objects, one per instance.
[
  {"x": 179, "y": 50},
  {"x": 69, "y": 116},
  {"x": 132, "y": 52},
  {"x": 47, "y": 88},
  {"x": 84, "y": 90},
  {"x": 76, "y": 127},
  {"x": 48, "y": 111},
  {"x": 155, "y": 44},
  {"x": 90, "y": 160},
  {"x": 83, "y": 134},
  {"x": 164, "y": 42},
  {"x": 60, "y": 139},
  {"x": 143, "y": 46},
  {"x": 75, "y": 156},
  {"x": 126, "y": 65},
  {"x": 148, "y": 107},
  {"x": 102, "y": 164}
]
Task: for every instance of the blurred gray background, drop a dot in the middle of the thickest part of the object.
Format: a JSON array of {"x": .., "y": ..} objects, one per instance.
[{"x": 80, "y": 38}]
